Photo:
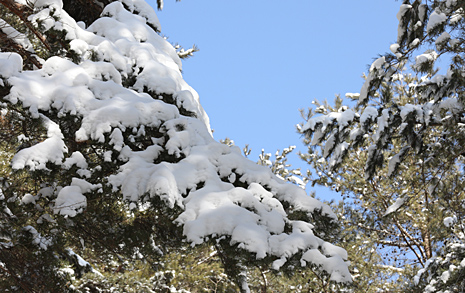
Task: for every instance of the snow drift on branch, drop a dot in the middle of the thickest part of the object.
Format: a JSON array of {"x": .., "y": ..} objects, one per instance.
[{"x": 123, "y": 92}]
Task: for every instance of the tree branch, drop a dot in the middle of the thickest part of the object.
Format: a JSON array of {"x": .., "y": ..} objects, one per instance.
[
  {"x": 23, "y": 11},
  {"x": 12, "y": 45}
]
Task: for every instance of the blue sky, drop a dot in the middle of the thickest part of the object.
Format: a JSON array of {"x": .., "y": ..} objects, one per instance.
[{"x": 260, "y": 61}]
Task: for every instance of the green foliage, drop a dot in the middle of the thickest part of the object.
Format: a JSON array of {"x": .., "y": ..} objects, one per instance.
[
  {"x": 74, "y": 214},
  {"x": 397, "y": 155},
  {"x": 185, "y": 270},
  {"x": 445, "y": 272},
  {"x": 399, "y": 216}
]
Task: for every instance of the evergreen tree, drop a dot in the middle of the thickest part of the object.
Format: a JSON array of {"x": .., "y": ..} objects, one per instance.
[
  {"x": 407, "y": 131},
  {"x": 371, "y": 269},
  {"x": 110, "y": 164}
]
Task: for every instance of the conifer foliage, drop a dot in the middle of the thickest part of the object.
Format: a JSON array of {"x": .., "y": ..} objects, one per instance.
[
  {"x": 108, "y": 158},
  {"x": 408, "y": 128}
]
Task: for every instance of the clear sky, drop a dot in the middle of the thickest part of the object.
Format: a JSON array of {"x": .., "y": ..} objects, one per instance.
[{"x": 260, "y": 61}]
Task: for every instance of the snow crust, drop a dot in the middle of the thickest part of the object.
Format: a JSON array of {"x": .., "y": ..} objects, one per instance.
[{"x": 114, "y": 94}]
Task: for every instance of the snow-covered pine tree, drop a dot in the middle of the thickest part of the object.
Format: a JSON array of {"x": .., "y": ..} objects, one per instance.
[
  {"x": 396, "y": 217},
  {"x": 446, "y": 271},
  {"x": 436, "y": 28},
  {"x": 112, "y": 158},
  {"x": 427, "y": 131}
]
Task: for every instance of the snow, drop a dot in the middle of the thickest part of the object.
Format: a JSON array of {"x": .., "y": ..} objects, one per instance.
[
  {"x": 219, "y": 192},
  {"x": 353, "y": 96},
  {"x": 343, "y": 119},
  {"x": 445, "y": 276},
  {"x": 401, "y": 29},
  {"x": 82, "y": 262},
  {"x": 422, "y": 12},
  {"x": 28, "y": 198},
  {"x": 143, "y": 9},
  {"x": 355, "y": 134},
  {"x": 454, "y": 42},
  {"x": 37, "y": 238},
  {"x": 391, "y": 268},
  {"x": 365, "y": 89},
  {"x": 456, "y": 17},
  {"x": 378, "y": 63},
  {"x": 45, "y": 217},
  {"x": 70, "y": 200},
  {"x": 329, "y": 144},
  {"x": 16, "y": 36},
  {"x": 410, "y": 108},
  {"x": 50, "y": 150},
  {"x": 427, "y": 57},
  {"x": 402, "y": 10},
  {"x": 450, "y": 104},
  {"x": 414, "y": 43},
  {"x": 395, "y": 206},
  {"x": 10, "y": 64},
  {"x": 383, "y": 123},
  {"x": 393, "y": 163},
  {"x": 394, "y": 48},
  {"x": 435, "y": 19},
  {"x": 417, "y": 277},
  {"x": 443, "y": 38},
  {"x": 370, "y": 113},
  {"x": 77, "y": 159},
  {"x": 333, "y": 264},
  {"x": 339, "y": 150},
  {"x": 449, "y": 221}
]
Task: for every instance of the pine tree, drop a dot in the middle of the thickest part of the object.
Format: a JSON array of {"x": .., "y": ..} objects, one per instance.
[
  {"x": 110, "y": 163},
  {"x": 408, "y": 134},
  {"x": 399, "y": 217}
]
